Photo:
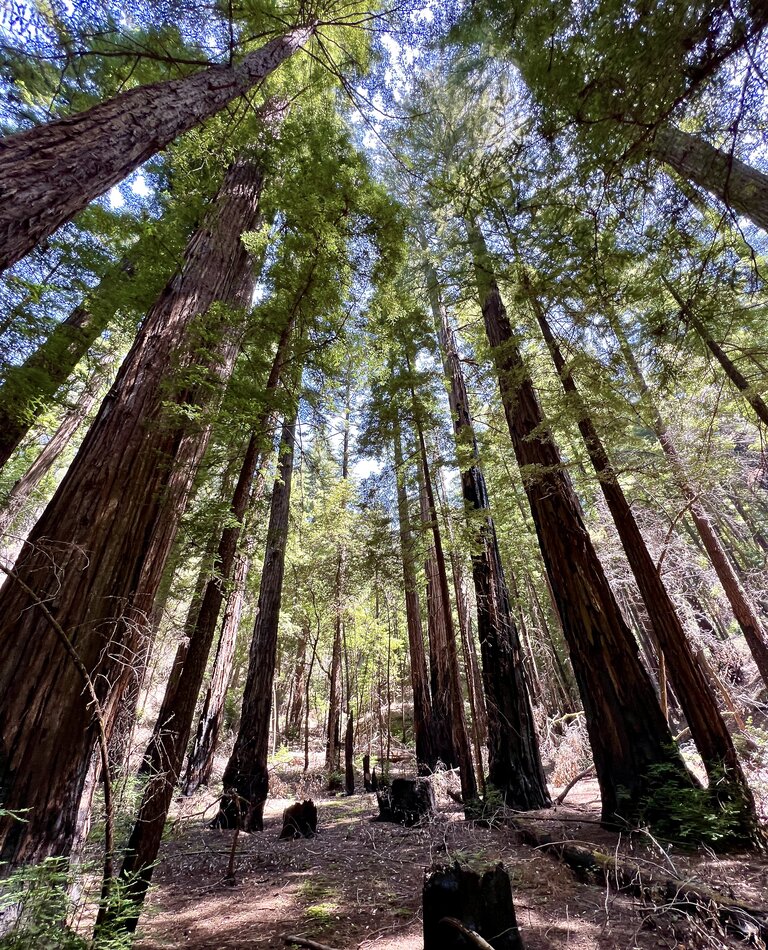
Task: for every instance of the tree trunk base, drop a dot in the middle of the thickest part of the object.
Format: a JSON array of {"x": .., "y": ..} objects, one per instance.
[
  {"x": 458, "y": 900},
  {"x": 407, "y": 802},
  {"x": 300, "y": 821}
]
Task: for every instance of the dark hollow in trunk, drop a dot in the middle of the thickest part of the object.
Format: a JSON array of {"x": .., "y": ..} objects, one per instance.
[
  {"x": 407, "y": 801},
  {"x": 49, "y": 173},
  {"x": 98, "y": 552},
  {"x": 514, "y": 764},
  {"x": 482, "y": 904},
  {"x": 246, "y": 778},
  {"x": 299, "y": 821}
]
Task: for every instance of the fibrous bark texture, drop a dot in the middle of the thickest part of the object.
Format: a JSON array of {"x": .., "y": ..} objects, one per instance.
[
  {"x": 631, "y": 742},
  {"x": 514, "y": 764},
  {"x": 246, "y": 779},
  {"x": 736, "y": 184},
  {"x": 96, "y": 556},
  {"x": 51, "y": 172},
  {"x": 709, "y": 732}
]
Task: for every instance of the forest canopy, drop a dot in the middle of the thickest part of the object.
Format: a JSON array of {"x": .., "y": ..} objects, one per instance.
[{"x": 379, "y": 385}]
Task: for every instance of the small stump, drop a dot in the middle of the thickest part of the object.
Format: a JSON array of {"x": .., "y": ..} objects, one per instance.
[
  {"x": 480, "y": 904},
  {"x": 406, "y": 801},
  {"x": 300, "y": 820}
]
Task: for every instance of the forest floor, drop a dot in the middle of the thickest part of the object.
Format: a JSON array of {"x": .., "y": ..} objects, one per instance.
[{"x": 358, "y": 883}]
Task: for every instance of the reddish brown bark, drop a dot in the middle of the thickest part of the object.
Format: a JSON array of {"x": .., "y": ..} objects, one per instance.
[
  {"x": 697, "y": 700},
  {"x": 514, "y": 763},
  {"x": 246, "y": 779},
  {"x": 450, "y": 725},
  {"x": 743, "y": 610},
  {"x": 629, "y": 736},
  {"x": 97, "y": 554},
  {"x": 51, "y": 172},
  {"x": 426, "y": 751}
]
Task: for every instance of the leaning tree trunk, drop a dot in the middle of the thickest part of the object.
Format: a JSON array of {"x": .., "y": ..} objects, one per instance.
[
  {"x": 54, "y": 447},
  {"x": 246, "y": 779},
  {"x": 744, "y": 612},
  {"x": 447, "y": 699},
  {"x": 731, "y": 370},
  {"x": 631, "y": 742},
  {"x": 726, "y": 778},
  {"x": 514, "y": 763},
  {"x": 51, "y": 172},
  {"x": 426, "y": 751},
  {"x": 98, "y": 552},
  {"x": 738, "y": 185}
]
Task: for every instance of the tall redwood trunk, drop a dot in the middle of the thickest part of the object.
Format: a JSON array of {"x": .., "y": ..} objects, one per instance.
[
  {"x": 743, "y": 610},
  {"x": 29, "y": 389},
  {"x": 731, "y": 370},
  {"x": 296, "y": 699},
  {"x": 51, "y": 172},
  {"x": 630, "y": 738},
  {"x": 57, "y": 444},
  {"x": 514, "y": 763},
  {"x": 736, "y": 184},
  {"x": 246, "y": 779},
  {"x": 450, "y": 725},
  {"x": 426, "y": 751},
  {"x": 97, "y": 554},
  {"x": 709, "y": 732}
]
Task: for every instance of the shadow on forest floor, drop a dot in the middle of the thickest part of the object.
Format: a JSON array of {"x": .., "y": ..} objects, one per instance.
[{"x": 358, "y": 884}]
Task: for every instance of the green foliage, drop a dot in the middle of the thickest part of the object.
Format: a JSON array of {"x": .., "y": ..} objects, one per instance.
[{"x": 692, "y": 816}]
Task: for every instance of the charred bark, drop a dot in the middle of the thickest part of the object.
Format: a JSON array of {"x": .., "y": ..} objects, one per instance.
[
  {"x": 514, "y": 763},
  {"x": 98, "y": 553},
  {"x": 631, "y": 742}
]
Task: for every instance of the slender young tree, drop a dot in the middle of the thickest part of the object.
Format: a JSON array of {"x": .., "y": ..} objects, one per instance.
[
  {"x": 98, "y": 552},
  {"x": 726, "y": 778},
  {"x": 246, "y": 778},
  {"x": 49, "y": 173},
  {"x": 631, "y": 743},
  {"x": 426, "y": 751},
  {"x": 514, "y": 764}
]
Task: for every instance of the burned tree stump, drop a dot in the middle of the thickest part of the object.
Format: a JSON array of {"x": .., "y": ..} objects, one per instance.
[
  {"x": 407, "y": 801},
  {"x": 367, "y": 781},
  {"x": 456, "y": 897},
  {"x": 300, "y": 820}
]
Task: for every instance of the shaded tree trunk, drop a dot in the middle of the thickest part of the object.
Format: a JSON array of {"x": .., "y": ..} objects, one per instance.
[
  {"x": 426, "y": 750},
  {"x": 731, "y": 370},
  {"x": 744, "y": 612},
  {"x": 726, "y": 779},
  {"x": 246, "y": 779},
  {"x": 54, "y": 447},
  {"x": 514, "y": 763},
  {"x": 49, "y": 173},
  {"x": 98, "y": 552},
  {"x": 447, "y": 699},
  {"x": 296, "y": 704},
  {"x": 630, "y": 739},
  {"x": 738, "y": 185}
]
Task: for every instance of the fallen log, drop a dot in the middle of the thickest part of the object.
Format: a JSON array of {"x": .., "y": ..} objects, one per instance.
[
  {"x": 673, "y": 893},
  {"x": 310, "y": 944}
]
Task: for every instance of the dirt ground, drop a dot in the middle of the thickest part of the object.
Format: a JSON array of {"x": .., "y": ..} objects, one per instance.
[{"x": 358, "y": 883}]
